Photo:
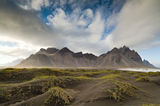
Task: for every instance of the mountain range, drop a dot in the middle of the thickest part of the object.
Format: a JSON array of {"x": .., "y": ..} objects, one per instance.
[{"x": 53, "y": 57}]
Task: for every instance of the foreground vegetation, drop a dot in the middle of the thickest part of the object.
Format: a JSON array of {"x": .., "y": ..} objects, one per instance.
[{"x": 59, "y": 86}]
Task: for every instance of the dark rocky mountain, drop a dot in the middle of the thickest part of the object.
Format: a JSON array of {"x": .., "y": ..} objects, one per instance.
[
  {"x": 52, "y": 57},
  {"x": 147, "y": 63},
  {"x": 47, "y": 51},
  {"x": 120, "y": 57}
]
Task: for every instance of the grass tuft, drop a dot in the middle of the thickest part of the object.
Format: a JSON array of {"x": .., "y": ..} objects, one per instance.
[
  {"x": 110, "y": 76},
  {"x": 143, "y": 79},
  {"x": 121, "y": 91},
  {"x": 3, "y": 95},
  {"x": 83, "y": 78},
  {"x": 58, "y": 97},
  {"x": 151, "y": 105}
]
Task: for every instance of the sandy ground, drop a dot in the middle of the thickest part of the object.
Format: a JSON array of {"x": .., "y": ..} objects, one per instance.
[{"x": 91, "y": 93}]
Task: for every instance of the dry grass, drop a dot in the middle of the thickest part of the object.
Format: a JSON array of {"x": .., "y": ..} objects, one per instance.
[
  {"x": 152, "y": 74},
  {"x": 109, "y": 76},
  {"x": 58, "y": 97},
  {"x": 151, "y": 105},
  {"x": 121, "y": 91},
  {"x": 143, "y": 79},
  {"x": 3, "y": 95},
  {"x": 22, "y": 84},
  {"x": 83, "y": 78}
]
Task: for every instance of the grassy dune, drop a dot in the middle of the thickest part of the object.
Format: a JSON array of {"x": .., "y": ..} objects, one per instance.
[{"x": 78, "y": 87}]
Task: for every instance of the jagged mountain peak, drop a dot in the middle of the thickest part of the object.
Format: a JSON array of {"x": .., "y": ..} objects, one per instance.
[
  {"x": 65, "y": 50},
  {"x": 52, "y": 50},
  {"x": 114, "y": 50},
  {"x": 42, "y": 49},
  {"x": 90, "y": 56},
  {"x": 147, "y": 63},
  {"x": 123, "y": 56},
  {"x": 78, "y": 54},
  {"x": 48, "y": 50},
  {"x": 124, "y": 49},
  {"x": 117, "y": 57}
]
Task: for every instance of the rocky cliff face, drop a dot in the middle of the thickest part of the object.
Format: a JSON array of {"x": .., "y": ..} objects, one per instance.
[
  {"x": 147, "y": 63},
  {"x": 52, "y": 57},
  {"x": 120, "y": 57}
]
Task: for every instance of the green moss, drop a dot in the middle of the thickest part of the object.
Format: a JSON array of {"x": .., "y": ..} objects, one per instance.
[
  {"x": 121, "y": 91},
  {"x": 4, "y": 95},
  {"x": 153, "y": 73},
  {"x": 97, "y": 72},
  {"x": 58, "y": 97},
  {"x": 151, "y": 105},
  {"x": 37, "y": 86},
  {"x": 44, "y": 77},
  {"x": 83, "y": 78},
  {"x": 23, "y": 74},
  {"x": 140, "y": 74},
  {"x": 25, "y": 83},
  {"x": 110, "y": 76},
  {"x": 41, "y": 84},
  {"x": 143, "y": 79}
]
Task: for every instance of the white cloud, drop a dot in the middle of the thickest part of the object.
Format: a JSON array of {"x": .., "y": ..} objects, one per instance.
[
  {"x": 66, "y": 30},
  {"x": 88, "y": 13},
  {"x": 59, "y": 20},
  {"x": 16, "y": 48},
  {"x": 85, "y": 18},
  {"x": 37, "y": 4},
  {"x": 96, "y": 28},
  {"x": 76, "y": 30},
  {"x": 34, "y": 4},
  {"x": 137, "y": 24}
]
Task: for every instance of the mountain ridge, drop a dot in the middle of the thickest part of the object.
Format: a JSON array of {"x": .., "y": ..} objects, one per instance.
[{"x": 53, "y": 57}]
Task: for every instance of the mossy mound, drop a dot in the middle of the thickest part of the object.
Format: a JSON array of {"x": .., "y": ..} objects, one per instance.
[
  {"x": 58, "y": 97},
  {"x": 121, "y": 91},
  {"x": 143, "y": 79}
]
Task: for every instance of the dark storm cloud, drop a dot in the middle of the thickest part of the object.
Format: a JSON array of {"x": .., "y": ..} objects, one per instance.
[
  {"x": 21, "y": 24},
  {"x": 27, "y": 26},
  {"x": 67, "y": 24}
]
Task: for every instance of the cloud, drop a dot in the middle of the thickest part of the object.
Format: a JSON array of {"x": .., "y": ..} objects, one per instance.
[
  {"x": 22, "y": 25},
  {"x": 80, "y": 29},
  {"x": 74, "y": 30},
  {"x": 16, "y": 48},
  {"x": 96, "y": 28},
  {"x": 137, "y": 25},
  {"x": 62, "y": 30},
  {"x": 88, "y": 13},
  {"x": 33, "y": 4}
]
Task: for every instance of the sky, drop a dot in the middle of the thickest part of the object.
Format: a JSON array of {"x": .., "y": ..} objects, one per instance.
[{"x": 93, "y": 26}]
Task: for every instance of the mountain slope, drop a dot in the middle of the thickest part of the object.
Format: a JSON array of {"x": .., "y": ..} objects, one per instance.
[
  {"x": 59, "y": 58},
  {"x": 147, "y": 63},
  {"x": 120, "y": 57},
  {"x": 52, "y": 57}
]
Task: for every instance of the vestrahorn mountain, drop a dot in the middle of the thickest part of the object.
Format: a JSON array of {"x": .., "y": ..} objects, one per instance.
[{"x": 52, "y": 57}]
